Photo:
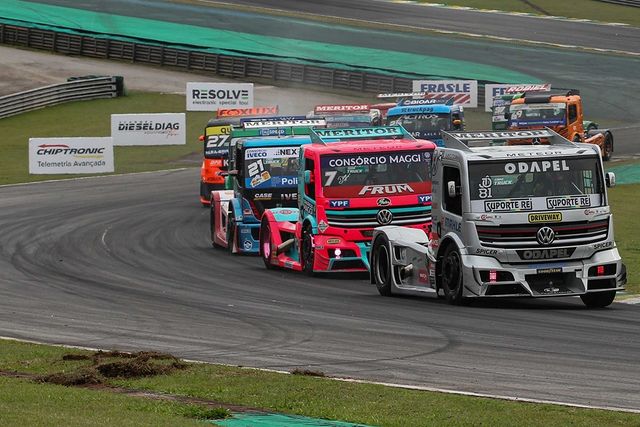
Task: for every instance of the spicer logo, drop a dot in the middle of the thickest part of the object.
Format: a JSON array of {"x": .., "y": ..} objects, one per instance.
[{"x": 339, "y": 203}]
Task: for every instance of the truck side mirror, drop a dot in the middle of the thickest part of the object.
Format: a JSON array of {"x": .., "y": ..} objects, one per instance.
[
  {"x": 451, "y": 189},
  {"x": 201, "y": 138},
  {"x": 610, "y": 179},
  {"x": 308, "y": 177}
]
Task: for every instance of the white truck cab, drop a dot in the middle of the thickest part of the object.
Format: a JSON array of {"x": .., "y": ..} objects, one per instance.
[{"x": 509, "y": 221}]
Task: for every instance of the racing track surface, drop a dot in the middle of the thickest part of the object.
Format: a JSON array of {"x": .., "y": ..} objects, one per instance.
[{"x": 124, "y": 262}]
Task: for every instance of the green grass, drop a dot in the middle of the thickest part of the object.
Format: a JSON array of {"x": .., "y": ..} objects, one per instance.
[
  {"x": 93, "y": 118},
  {"x": 625, "y": 206},
  {"x": 582, "y": 9},
  {"x": 25, "y": 403}
]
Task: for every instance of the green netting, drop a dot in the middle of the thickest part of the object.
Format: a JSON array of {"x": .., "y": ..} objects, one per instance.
[
  {"x": 278, "y": 420},
  {"x": 235, "y": 43},
  {"x": 626, "y": 174}
]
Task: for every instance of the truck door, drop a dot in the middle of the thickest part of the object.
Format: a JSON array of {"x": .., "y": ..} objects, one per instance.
[
  {"x": 572, "y": 123},
  {"x": 451, "y": 220}
]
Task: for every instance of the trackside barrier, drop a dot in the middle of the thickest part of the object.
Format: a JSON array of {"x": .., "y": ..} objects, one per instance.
[
  {"x": 219, "y": 64},
  {"x": 77, "y": 88}
]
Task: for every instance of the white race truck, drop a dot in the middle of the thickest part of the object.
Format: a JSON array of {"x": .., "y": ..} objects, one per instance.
[{"x": 508, "y": 221}]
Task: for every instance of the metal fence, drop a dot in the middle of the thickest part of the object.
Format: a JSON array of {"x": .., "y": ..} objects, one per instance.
[{"x": 73, "y": 90}]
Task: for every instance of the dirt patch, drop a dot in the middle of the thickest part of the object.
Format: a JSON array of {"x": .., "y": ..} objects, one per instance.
[{"x": 308, "y": 373}]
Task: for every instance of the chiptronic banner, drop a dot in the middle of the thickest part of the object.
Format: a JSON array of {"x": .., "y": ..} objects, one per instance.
[
  {"x": 463, "y": 92},
  {"x": 148, "y": 129},
  {"x": 70, "y": 155},
  {"x": 209, "y": 96}
]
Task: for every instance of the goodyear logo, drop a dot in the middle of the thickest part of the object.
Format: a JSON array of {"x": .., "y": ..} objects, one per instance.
[{"x": 545, "y": 217}]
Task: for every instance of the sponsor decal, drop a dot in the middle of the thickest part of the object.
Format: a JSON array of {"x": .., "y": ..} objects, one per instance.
[
  {"x": 423, "y": 276},
  {"x": 451, "y": 224},
  {"x": 384, "y": 201},
  {"x": 272, "y": 132},
  {"x": 568, "y": 202},
  {"x": 545, "y": 217},
  {"x": 386, "y": 189},
  {"x": 426, "y": 101},
  {"x": 247, "y": 212},
  {"x": 509, "y": 205},
  {"x": 492, "y": 92},
  {"x": 308, "y": 207},
  {"x": 255, "y": 154},
  {"x": 540, "y": 87},
  {"x": 375, "y": 160},
  {"x": 263, "y": 196},
  {"x": 322, "y": 226},
  {"x": 537, "y": 166},
  {"x": 424, "y": 199},
  {"x": 70, "y": 155},
  {"x": 243, "y": 112},
  {"x": 380, "y": 131},
  {"x": 148, "y": 129},
  {"x": 147, "y": 126},
  {"x": 285, "y": 211},
  {"x": 551, "y": 270},
  {"x": 283, "y": 123},
  {"x": 247, "y": 244},
  {"x": 341, "y": 108},
  {"x": 333, "y": 241},
  {"x": 483, "y": 251},
  {"x": 290, "y": 196},
  {"x": 339, "y": 203},
  {"x": 551, "y": 253},
  {"x": 464, "y": 92},
  {"x": 513, "y": 134},
  {"x": 603, "y": 245}
]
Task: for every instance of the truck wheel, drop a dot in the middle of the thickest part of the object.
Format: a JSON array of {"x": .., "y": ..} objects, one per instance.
[
  {"x": 266, "y": 247},
  {"x": 308, "y": 253},
  {"x": 231, "y": 232},
  {"x": 212, "y": 224},
  {"x": 598, "y": 299},
  {"x": 381, "y": 266},
  {"x": 452, "y": 283},
  {"x": 608, "y": 148}
]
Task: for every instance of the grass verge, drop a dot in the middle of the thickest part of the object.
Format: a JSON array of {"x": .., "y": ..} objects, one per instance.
[
  {"x": 25, "y": 402},
  {"x": 581, "y": 9},
  {"x": 625, "y": 206}
]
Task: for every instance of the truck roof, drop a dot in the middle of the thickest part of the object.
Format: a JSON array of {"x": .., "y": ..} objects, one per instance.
[
  {"x": 371, "y": 146},
  {"x": 557, "y": 144}
]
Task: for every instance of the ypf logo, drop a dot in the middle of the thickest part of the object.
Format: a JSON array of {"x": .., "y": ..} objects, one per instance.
[
  {"x": 545, "y": 235},
  {"x": 384, "y": 217}
]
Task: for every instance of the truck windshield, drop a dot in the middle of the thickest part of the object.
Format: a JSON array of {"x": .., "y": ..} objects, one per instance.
[
  {"x": 521, "y": 185},
  {"x": 376, "y": 174},
  {"x": 271, "y": 167},
  {"x": 431, "y": 122},
  {"x": 549, "y": 114}
]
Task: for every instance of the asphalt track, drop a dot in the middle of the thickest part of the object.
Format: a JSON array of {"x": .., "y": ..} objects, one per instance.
[{"x": 124, "y": 262}]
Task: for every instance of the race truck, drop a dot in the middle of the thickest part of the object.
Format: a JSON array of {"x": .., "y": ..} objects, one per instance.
[
  {"x": 216, "y": 146},
  {"x": 508, "y": 221},
  {"x": 426, "y": 118},
  {"x": 347, "y": 115},
  {"x": 349, "y": 182},
  {"x": 263, "y": 173},
  {"x": 563, "y": 113}
]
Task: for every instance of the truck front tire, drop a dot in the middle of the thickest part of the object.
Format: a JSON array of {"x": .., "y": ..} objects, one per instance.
[
  {"x": 598, "y": 299},
  {"x": 452, "y": 277},
  {"x": 381, "y": 267}
]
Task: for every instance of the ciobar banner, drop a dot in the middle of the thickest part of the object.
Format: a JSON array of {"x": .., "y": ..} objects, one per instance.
[{"x": 70, "y": 155}]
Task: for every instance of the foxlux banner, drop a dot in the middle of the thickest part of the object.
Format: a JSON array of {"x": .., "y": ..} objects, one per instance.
[
  {"x": 148, "y": 129},
  {"x": 70, "y": 155},
  {"x": 463, "y": 92},
  {"x": 493, "y": 90},
  {"x": 208, "y": 96}
]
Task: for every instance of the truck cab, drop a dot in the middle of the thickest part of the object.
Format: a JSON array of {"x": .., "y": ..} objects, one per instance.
[
  {"x": 516, "y": 221},
  {"x": 427, "y": 118},
  {"x": 350, "y": 181}
]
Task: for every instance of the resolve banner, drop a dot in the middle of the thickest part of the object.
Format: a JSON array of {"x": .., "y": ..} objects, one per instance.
[
  {"x": 148, "y": 129},
  {"x": 70, "y": 155},
  {"x": 493, "y": 90},
  {"x": 210, "y": 96},
  {"x": 463, "y": 92}
]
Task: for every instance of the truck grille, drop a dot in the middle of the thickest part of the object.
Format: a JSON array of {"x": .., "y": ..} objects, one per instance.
[
  {"x": 524, "y": 235},
  {"x": 366, "y": 218}
]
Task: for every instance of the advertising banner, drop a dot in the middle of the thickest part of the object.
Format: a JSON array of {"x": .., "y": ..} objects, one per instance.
[
  {"x": 148, "y": 129},
  {"x": 493, "y": 90},
  {"x": 209, "y": 96},
  {"x": 70, "y": 155},
  {"x": 463, "y": 92}
]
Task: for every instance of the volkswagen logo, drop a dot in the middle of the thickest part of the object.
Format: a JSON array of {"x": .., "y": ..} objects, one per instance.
[
  {"x": 545, "y": 235},
  {"x": 384, "y": 201},
  {"x": 384, "y": 217}
]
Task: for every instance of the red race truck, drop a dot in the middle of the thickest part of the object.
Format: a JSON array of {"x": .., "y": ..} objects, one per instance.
[{"x": 350, "y": 181}]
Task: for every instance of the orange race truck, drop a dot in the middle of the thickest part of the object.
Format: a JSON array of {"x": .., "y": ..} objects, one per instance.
[{"x": 561, "y": 112}]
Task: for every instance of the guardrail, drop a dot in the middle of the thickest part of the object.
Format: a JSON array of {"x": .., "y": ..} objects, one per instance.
[{"x": 73, "y": 90}]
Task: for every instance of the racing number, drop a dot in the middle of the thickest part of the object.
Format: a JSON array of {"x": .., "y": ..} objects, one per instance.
[
  {"x": 255, "y": 168},
  {"x": 330, "y": 175},
  {"x": 214, "y": 141}
]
